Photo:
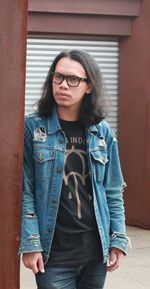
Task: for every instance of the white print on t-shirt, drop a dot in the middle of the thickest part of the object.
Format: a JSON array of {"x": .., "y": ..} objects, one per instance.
[
  {"x": 80, "y": 153},
  {"x": 77, "y": 140}
]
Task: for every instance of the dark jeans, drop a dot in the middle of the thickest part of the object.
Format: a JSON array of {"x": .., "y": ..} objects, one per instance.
[{"x": 85, "y": 276}]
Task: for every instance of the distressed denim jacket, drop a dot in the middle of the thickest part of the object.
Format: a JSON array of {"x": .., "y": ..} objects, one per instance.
[{"x": 44, "y": 151}]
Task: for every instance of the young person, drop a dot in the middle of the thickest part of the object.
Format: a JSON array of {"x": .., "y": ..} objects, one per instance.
[{"x": 73, "y": 222}]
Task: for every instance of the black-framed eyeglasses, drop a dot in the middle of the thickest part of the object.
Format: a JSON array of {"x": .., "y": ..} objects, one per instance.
[{"x": 72, "y": 80}]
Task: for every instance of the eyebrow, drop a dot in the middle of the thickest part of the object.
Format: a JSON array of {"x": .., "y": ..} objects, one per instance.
[{"x": 70, "y": 75}]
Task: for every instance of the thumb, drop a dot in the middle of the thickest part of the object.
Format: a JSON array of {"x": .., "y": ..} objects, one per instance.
[{"x": 41, "y": 265}]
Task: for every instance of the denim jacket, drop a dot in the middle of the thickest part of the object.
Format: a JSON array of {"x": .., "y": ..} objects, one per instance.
[{"x": 44, "y": 151}]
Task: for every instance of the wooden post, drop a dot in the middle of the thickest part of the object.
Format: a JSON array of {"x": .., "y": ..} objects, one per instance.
[{"x": 13, "y": 32}]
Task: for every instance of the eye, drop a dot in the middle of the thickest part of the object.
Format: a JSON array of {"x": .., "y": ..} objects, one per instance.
[
  {"x": 58, "y": 76},
  {"x": 73, "y": 78}
]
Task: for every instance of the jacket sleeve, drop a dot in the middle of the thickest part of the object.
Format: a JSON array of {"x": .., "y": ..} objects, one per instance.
[
  {"x": 114, "y": 186},
  {"x": 30, "y": 237}
]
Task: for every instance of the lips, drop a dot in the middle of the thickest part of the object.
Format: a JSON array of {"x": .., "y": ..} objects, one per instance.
[{"x": 62, "y": 95}]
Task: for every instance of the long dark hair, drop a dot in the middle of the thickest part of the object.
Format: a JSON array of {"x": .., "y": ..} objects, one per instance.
[{"x": 93, "y": 108}]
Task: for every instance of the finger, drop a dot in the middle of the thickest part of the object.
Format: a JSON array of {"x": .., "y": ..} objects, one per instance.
[
  {"x": 41, "y": 265},
  {"x": 34, "y": 268},
  {"x": 119, "y": 259},
  {"x": 112, "y": 268},
  {"x": 112, "y": 258},
  {"x": 112, "y": 261}
]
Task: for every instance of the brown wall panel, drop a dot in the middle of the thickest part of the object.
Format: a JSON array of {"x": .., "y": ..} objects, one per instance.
[
  {"x": 134, "y": 124},
  {"x": 101, "y": 7},
  {"x": 13, "y": 23},
  {"x": 97, "y": 17},
  {"x": 75, "y": 24}
]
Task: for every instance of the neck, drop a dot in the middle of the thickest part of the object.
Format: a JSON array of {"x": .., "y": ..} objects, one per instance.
[{"x": 66, "y": 113}]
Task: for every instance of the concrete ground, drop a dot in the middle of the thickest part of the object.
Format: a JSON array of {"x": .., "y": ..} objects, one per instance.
[{"x": 133, "y": 274}]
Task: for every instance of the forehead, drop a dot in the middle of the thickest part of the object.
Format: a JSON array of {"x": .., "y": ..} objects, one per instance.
[{"x": 69, "y": 66}]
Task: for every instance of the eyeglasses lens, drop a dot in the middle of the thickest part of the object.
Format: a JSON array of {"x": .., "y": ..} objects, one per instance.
[{"x": 73, "y": 81}]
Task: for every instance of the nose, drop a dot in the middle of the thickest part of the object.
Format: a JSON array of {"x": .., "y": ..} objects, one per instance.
[{"x": 64, "y": 83}]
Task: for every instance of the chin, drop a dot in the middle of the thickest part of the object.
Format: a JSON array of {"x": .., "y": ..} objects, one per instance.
[{"x": 62, "y": 103}]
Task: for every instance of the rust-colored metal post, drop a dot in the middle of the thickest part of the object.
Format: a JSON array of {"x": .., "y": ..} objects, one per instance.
[
  {"x": 13, "y": 30},
  {"x": 134, "y": 123}
]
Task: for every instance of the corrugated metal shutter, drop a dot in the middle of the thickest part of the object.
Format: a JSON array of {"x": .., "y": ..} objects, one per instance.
[{"x": 41, "y": 52}]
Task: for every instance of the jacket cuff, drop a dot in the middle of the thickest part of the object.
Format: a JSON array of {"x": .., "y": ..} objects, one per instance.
[
  {"x": 120, "y": 241},
  {"x": 30, "y": 246}
]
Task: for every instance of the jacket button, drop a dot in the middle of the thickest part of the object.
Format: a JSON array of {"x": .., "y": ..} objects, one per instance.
[
  {"x": 59, "y": 170},
  {"x": 50, "y": 230},
  {"x": 54, "y": 202}
]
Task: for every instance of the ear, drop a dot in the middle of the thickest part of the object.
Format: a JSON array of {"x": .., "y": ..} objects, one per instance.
[{"x": 89, "y": 88}]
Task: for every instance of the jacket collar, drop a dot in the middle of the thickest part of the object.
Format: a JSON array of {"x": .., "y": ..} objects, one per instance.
[
  {"x": 94, "y": 128},
  {"x": 54, "y": 125},
  {"x": 53, "y": 122}
]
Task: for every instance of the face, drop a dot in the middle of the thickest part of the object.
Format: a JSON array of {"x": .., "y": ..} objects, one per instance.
[{"x": 65, "y": 95}]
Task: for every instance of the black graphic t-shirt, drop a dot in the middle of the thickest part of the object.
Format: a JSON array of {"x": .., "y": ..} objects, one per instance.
[{"x": 76, "y": 236}]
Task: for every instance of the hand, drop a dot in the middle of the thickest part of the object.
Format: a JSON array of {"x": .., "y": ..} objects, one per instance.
[
  {"x": 115, "y": 259},
  {"x": 34, "y": 261}
]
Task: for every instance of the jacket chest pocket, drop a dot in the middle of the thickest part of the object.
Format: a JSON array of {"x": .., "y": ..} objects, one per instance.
[
  {"x": 99, "y": 160},
  {"x": 44, "y": 161}
]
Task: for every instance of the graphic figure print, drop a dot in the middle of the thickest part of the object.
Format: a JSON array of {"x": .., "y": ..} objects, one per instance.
[{"x": 80, "y": 174}]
